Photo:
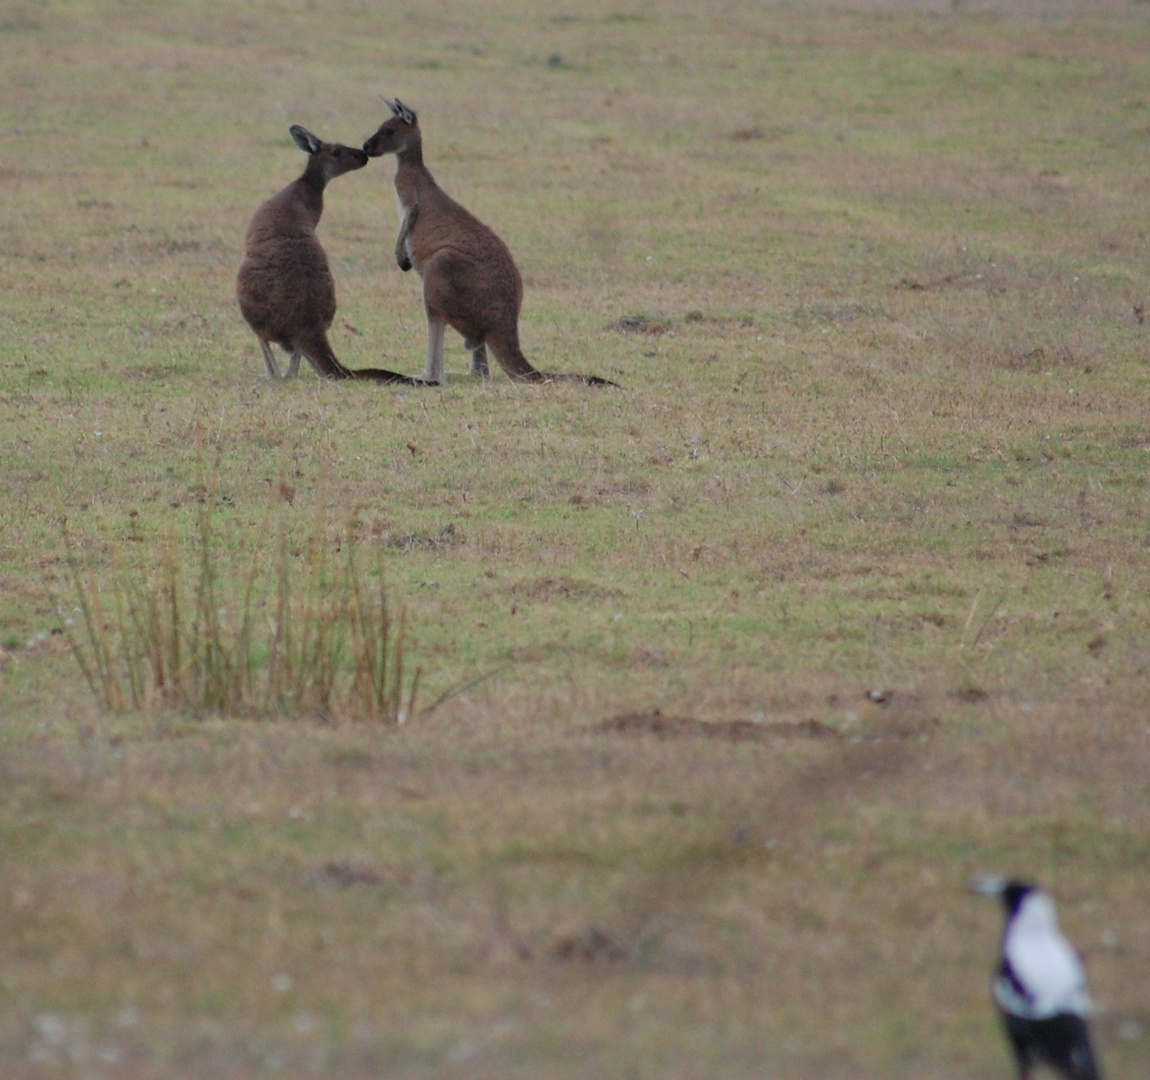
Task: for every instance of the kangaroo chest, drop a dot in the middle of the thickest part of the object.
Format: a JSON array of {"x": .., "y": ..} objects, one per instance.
[
  {"x": 406, "y": 189},
  {"x": 403, "y": 205}
]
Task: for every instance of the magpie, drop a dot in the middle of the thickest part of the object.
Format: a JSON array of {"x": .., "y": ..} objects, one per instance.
[{"x": 1040, "y": 984}]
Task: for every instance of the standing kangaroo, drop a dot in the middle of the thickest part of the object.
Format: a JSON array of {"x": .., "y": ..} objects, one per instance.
[
  {"x": 470, "y": 281},
  {"x": 284, "y": 285}
]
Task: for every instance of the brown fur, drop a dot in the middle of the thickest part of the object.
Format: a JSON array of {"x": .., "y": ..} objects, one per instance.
[
  {"x": 284, "y": 285},
  {"x": 470, "y": 280}
]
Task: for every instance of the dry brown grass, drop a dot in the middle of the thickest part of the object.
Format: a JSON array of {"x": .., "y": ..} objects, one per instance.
[{"x": 746, "y": 668}]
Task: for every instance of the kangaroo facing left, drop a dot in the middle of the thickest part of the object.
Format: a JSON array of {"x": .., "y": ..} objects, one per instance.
[
  {"x": 470, "y": 280},
  {"x": 285, "y": 288}
]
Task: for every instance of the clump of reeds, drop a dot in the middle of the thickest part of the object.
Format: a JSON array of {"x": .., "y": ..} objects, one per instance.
[{"x": 194, "y": 632}]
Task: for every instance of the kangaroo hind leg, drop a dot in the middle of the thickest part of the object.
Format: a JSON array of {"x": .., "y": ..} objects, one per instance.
[
  {"x": 269, "y": 359},
  {"x": 435, "y": 372},
  {"x": 480, "y": 367}
]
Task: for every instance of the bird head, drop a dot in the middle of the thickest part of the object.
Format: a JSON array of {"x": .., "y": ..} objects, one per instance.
[{"x": 1010, "y": 892}]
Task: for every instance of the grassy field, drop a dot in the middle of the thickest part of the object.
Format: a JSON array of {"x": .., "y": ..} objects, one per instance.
[{"x": 739, "y": 672}]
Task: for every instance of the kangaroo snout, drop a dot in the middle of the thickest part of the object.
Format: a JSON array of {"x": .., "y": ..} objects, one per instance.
[
  {"x": 378, "y": 144},
  {"x": 393, "y": 135}
]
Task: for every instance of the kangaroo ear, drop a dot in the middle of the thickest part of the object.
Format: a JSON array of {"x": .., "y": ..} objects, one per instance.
[
  {"x": 305, "y": 140},
  {"x": 399, "y": 109}
]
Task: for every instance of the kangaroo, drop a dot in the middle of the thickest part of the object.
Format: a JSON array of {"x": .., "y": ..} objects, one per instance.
[
  {"x": 284, "y": 285},
  {"x": 470, "y": 280}
]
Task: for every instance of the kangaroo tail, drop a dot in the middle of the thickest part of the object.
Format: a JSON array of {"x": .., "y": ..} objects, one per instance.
[
  {"x": 598, "y": 380},
  {"x": 586, "y": 380},
  {"x": 519, "y": 369},
  {"x": 382, "y": 375},
  {"x": 317, "y": 349},
  {"x": 320, "y": 354}
]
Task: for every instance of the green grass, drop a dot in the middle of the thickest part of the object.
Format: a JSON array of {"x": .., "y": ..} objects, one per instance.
[{"x": 870, "y": 279}]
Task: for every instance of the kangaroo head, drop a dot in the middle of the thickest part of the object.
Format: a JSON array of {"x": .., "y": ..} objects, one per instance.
[
  {"x": 331, "y": 159},
  {"x": 395, "y": 133}
]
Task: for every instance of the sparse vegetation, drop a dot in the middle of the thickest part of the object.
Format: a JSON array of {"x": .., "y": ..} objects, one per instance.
[
  {"x": 734, "y": 675},
  {"x": 314, "y": 637}
]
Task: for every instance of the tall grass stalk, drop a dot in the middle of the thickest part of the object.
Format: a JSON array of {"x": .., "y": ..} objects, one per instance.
[
  {"x": 202, "y": 637},
  {"x": 379, "y": 647}
]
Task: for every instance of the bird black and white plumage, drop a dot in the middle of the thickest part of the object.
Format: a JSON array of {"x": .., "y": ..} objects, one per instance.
[{"x": 1040, "y": 985}]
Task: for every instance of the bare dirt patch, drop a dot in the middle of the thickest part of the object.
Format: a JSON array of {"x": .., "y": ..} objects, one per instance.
[{"x": 679, "y": 727}]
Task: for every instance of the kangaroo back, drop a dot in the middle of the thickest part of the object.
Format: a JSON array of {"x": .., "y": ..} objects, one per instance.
[
  {"x": 284, "y": 286},
  {"x": 470, "y": 280}
]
